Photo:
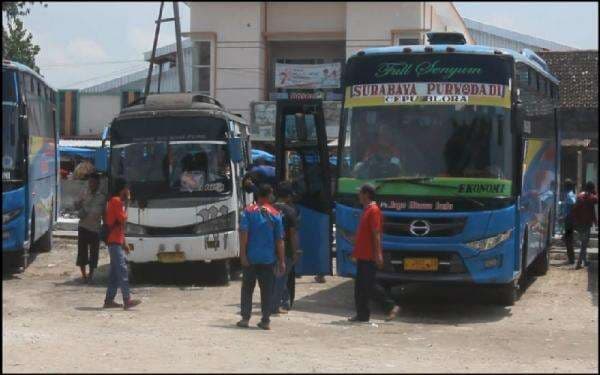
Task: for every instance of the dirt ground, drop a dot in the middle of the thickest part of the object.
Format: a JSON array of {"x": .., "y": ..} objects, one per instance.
[{"x": 54, "y": 323}]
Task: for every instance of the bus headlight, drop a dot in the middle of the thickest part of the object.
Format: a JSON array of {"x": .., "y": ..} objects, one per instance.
[
  {"x": 490, "y": 242},
  {"x": 135, "y": 230},
  {"x": 223, "y": 223},
  {"x": 8, "y": 216}
]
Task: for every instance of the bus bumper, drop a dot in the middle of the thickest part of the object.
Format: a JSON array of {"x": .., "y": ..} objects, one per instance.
[
  {"x": 457, "y": 263},
  {"x": 183, "y": 249}
]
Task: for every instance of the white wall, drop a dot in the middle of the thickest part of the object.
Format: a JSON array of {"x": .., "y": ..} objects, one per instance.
[
  {"x": 96, "y": 112},
  {"x": 305, "y": 17}
]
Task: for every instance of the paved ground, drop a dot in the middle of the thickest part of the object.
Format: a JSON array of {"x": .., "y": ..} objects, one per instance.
[{"x": 53, "y": 323}]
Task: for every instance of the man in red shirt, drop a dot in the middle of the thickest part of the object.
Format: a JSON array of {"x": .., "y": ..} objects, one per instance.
[
  {"x": 369, "y": 256},
  {"x": 116, "y": 218},
  {"x": 584, "y": 216}
]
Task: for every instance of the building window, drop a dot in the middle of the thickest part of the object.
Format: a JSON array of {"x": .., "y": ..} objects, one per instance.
[{"x": 201, "y": 65}]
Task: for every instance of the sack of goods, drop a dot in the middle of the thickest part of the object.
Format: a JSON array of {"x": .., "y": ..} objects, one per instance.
[{"x": 83, "y": 169}]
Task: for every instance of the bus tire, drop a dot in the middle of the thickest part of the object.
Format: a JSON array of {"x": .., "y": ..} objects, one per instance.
[
  {"x": 542, "y": 263},
  {"x": 221, "y": 271},
  {"x": 44, "y": 244},
  {"x": 136, "y": 272},
  {"x": 235, "y": 269},
  {"x": 508, "y": 294},
  {"x": 523, "y": 277}
]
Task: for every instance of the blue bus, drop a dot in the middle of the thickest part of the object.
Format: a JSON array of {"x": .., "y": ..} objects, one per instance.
[
  {"x": 462, "y": 145},
  {"x": 29, "y": 163}
]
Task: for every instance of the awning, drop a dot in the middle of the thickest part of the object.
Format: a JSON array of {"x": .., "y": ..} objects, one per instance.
[
  {"x": 260, "y": 154},
  {"x": 87, "y": 153}
]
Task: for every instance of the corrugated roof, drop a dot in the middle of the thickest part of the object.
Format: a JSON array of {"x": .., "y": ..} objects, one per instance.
[
  {"x": 578, "y": 75},
  {"x": 513, "y": 35}
]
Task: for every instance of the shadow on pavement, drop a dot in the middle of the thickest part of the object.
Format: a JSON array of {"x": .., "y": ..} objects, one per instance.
[
  {"x": 9, "y": 271},
  {"x": 191, "y": 276},
  {"x": 421, "y": 303},
  {"x": 592, "y": 271}
]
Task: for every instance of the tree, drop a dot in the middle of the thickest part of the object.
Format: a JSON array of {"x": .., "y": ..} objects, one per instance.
[
  {"x": 17, "y": 42},
  {"x": 18, "y": 46}
]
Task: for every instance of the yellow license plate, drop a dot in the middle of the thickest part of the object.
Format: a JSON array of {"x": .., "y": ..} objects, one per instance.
[
  {"x": 171, "y": 257},
  {"x": 420, "y": 264}
]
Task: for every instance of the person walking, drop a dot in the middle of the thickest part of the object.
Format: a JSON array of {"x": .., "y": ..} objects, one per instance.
[
  {"x": 584, "y": 216},
  {"x": 90, "y": 205},
  {"x": 570, "y": 198},
  {"x": 116, "y": 217},
  {"x": 368, "y": 256},
  {"x": 281, "y": 290},
  {"x": 261, "y": 238}
]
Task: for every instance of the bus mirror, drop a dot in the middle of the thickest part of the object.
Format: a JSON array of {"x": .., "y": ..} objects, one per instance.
[{"x": 235, "y": 149}]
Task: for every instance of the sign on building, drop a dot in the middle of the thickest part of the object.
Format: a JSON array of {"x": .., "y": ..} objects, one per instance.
[{"x": 307, "y": 76}]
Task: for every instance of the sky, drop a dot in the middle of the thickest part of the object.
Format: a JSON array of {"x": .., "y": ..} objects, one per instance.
[{"x": 83, "y": 44}]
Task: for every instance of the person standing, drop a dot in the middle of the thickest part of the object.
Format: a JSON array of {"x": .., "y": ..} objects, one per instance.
[
  {"x": 116, "y": 218},
  {"x": 570, "y": 198},
  {"x": 584, "y": 216},
  {"x": 90, "y": 205},
  {"x": 261, "y": 238},
  {"x": 281, "y": 291},
  {"x": 368, "y": 255}
]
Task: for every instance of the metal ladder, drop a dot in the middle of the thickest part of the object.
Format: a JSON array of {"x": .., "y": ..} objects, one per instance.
[{"x": 178, "y": 61}]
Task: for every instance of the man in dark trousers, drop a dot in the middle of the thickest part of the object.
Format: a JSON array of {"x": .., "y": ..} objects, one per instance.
[
  {"x": 282, "y": 300},
  {"x": 569, "y": 201},
  {"x": 90, "y": 205},
  {"x": 261, "y": 237},
  {"x": 584, "y": 216},
  {"x": 369, "y": 256}
]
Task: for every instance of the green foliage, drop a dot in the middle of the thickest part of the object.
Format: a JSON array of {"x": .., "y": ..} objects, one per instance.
[
  {"x": 18, "y": 46},
  {"x": 17, "y": 42}
]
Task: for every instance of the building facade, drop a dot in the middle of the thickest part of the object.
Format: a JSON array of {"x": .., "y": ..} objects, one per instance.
[{"x": 242, "y": 61}]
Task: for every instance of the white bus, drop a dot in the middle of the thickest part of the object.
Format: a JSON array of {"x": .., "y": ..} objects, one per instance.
[{"x": 183, "y": 156}]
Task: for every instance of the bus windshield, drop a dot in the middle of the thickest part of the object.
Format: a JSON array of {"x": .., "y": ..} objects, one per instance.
[
  {"x": 173, "y": 169},
  {"x": 428, "y": 124},
  {"x": 428, "y": 141}
]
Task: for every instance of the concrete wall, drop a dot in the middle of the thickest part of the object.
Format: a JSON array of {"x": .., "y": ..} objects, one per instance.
[
  {"x": 288, "y": 17},
  {"x": 370, "y": 24},
  {"x": 239, "y": 50},
  {"x": 96, "y": 112}
]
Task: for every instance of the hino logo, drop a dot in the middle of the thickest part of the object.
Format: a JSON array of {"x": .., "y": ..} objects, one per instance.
[{"x": 419, "y": 228}]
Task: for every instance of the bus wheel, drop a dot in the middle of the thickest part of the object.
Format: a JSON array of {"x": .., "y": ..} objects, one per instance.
[
  {"x": 542, "y": 262},
  {"x": 235, "y": 269},
  {"x": 136, "y": 272},
  {"x": 45, "y": 242},
  {"x": 522, "y": 281},
  {"x": 221, "y": 271},
  {"x": 508, "y": 294}
]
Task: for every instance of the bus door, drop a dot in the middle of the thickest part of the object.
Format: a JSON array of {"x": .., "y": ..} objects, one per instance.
[{"x": 302, "y": 158}]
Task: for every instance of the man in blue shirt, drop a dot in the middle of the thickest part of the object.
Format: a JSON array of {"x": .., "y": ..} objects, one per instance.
[
  {"x": 261, "y": 246},
  {"x": 570, "y": 199}
]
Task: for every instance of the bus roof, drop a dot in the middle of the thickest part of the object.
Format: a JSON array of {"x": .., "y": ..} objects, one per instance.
[
  {"x": 8, "y": 64},
  {"x": 179, "y": 102},
  {"x": 460, "y": 48}
]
